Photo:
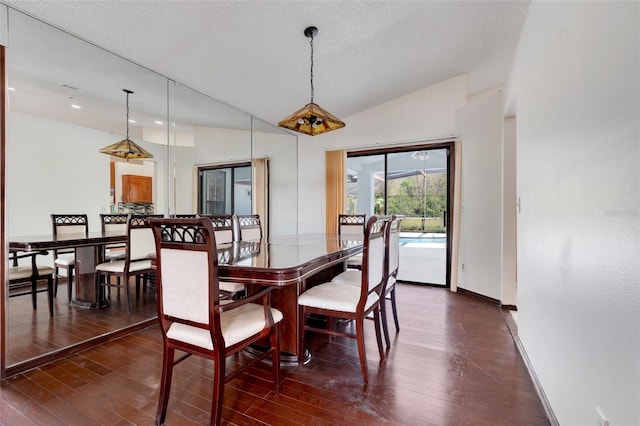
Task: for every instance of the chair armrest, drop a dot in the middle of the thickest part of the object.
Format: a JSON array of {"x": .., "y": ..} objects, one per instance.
[
  {"x": 264, "y": 294},
  {"x": 25, "y": 254}
]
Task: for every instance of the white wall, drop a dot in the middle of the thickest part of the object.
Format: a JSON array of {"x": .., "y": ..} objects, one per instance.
[
  {"x": 426, "y": 114},
  {"x": 479, "y": 125},
  {"x": 577, "y": 84},
  {"x": 55, "y": 167},
  {"x": 509, "y": 209}
]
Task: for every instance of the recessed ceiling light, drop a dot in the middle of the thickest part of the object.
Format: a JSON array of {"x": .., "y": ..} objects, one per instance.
[
  {"x": 132, "y": 121},
  {"x": 158, "y": 122},
  {"x": 75, "y": 106},
  {"x": 12, "y": 89}
]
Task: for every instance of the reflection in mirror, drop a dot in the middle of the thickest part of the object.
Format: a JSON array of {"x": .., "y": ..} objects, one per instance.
[
  {"x": 213, "y": 134},
  {"x": 280, "y": 149},
  {"x": 66, "y": 102}
]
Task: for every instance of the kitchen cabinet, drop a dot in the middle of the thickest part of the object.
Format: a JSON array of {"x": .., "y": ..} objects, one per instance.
[{"x": 137, "y": 189}]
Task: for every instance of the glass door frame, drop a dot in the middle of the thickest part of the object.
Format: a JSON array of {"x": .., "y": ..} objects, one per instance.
[{"x": 448, "y": 217}]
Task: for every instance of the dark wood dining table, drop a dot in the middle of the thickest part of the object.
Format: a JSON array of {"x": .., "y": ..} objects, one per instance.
[
  {"x": 291, "y": 263},
  {"x": 88, "y": 251}
]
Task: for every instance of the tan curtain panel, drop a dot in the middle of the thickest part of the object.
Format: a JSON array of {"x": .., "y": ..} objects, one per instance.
[
  {"x": 260, "y": 192},
  {"x": 336, "y": 168}
]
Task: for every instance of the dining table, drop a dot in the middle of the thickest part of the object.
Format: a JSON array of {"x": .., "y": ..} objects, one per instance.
[
  {"x": 292, "y": 263},
  {"x": 89, "y": 251}
]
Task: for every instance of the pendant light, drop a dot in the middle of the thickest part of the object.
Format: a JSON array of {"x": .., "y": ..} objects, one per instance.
[
  {"x": 311, "y": 119},
  {"x": 126, "y": 148}
]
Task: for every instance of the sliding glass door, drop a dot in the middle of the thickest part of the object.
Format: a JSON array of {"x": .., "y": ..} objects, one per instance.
[{"x": 414, "y": 184}]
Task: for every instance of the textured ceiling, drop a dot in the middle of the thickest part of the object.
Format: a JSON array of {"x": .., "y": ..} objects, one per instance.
[{"x": 253, "y": 54}]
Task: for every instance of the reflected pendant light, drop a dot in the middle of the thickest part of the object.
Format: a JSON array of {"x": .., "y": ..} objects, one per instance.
[
  {"x": 126, "y": 148},
  {"x": 311, "y": 119}
]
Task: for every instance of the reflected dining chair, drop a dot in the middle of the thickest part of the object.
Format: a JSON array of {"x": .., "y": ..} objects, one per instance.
[
  {"x": 352, "y": 226},
  {"x": 350, "y": 302},
  {"x": 249, "y": 227},
  {"x": 65, "y": 224},
  {"x": 114, "y": 222},
  {"x": 391, "y": 264},
  {"x": 225, "y": 232},
  {"x": 21, "y": 276},
  {"x": 193, "y": 319},
  {"x": 137, "y": 262}
]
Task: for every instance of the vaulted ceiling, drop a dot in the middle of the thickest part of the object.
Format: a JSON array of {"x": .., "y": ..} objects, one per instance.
[{"x": 253, "y": 54}]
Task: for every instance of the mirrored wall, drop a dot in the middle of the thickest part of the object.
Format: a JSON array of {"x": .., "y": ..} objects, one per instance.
[{"x": 65, "y": 102}]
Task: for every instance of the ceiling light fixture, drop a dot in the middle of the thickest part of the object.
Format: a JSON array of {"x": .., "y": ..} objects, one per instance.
[
  {"x": 311, "y": 119},
  {"x": 126, "y": 148},
  {"x": 420, "y": 155}
]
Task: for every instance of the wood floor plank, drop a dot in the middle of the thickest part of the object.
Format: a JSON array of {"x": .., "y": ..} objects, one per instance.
[{"x": 452, "y": 363}]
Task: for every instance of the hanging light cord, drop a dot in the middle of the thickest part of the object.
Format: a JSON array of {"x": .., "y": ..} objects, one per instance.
[
  {"x": 127, "y": 92},
  {"x": 311, "y": 43}
]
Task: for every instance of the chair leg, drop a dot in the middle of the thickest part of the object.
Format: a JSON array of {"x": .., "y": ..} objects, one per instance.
[
  {"x": 56, "y": 274},
  {"x": 385, "y": 325},
  {"x": 218, "y": 388},
  {"x": 376, "y": 322},
  {"x": 125, "y": 289},
  {"x": 50, "y": 291},
  {"x": 361, "y": 351},
  {"x": 34, "y": 294},
  {"x": 98, "y": 289},
  {"x": 275, "y": 356},
  {"x": 393, "y": 308},
  {"x": 70, "y": 275},
  {"x": 165, "y": 383}
]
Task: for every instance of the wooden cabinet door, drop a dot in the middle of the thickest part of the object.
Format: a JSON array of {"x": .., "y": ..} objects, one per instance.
[{"x": 136, "y": 189}]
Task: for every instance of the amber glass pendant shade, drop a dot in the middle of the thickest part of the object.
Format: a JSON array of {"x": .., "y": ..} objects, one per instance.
[
  {"x": 126, "y": 149},
  {"x": 312, "y": 120}
]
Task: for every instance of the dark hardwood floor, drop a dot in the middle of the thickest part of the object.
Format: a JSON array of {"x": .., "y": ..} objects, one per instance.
[{"x": 453, "y": 363}]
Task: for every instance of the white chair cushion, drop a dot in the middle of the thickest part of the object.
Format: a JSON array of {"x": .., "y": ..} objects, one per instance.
[
  {"x": 118, "y": 266},
  {"x": 237, "y": 325},
  {"x": 352, "y": 277},
  {"x": 25, "y": 272},
  {"x": 355, "y": 260},
  {"x": 230, "y": 287},
  {"x": 336, "y": 297},
  {"x": 115, "y": 254},
  {"x": 66, "y": 259}
]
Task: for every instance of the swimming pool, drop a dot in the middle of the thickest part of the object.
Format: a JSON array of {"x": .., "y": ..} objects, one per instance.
[{"x": 423, "y": 240}]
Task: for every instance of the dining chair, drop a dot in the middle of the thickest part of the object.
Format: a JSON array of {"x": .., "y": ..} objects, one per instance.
[
  {"x": 137, "y": 262},
  {"x": 249, "y": 227},
  {"x": 114, "y": 222},
  {"x": 65, "y": 224},
  {"x": 21, "y": 276},
  {"x": 353, "y": 303},
  {"x": 352, "y": 226},
  {"x": 225, "y": 232},
  {"x": 195, "y": 321},
  {"x": 391, "y": 263}
]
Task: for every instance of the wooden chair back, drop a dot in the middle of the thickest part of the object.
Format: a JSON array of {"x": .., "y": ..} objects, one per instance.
[
  {"x": 140, "y": 240},
  {"x": 351, "y": 225},
  {"x": 373, "y": 257},
  {"x": 187, "y": 274},
  {"x": 250, "y": 227},
  {"x": 223, "y": 226},
  {"x": 66, "y": 224}
]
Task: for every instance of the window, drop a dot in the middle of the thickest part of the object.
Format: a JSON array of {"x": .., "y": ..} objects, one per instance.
[{"x": 225, "y": 189}]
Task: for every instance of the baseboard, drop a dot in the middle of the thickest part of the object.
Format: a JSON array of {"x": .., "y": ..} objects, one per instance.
[
  {"x": 479, "y": 296},
  {"x": 513, "y": 329}
]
